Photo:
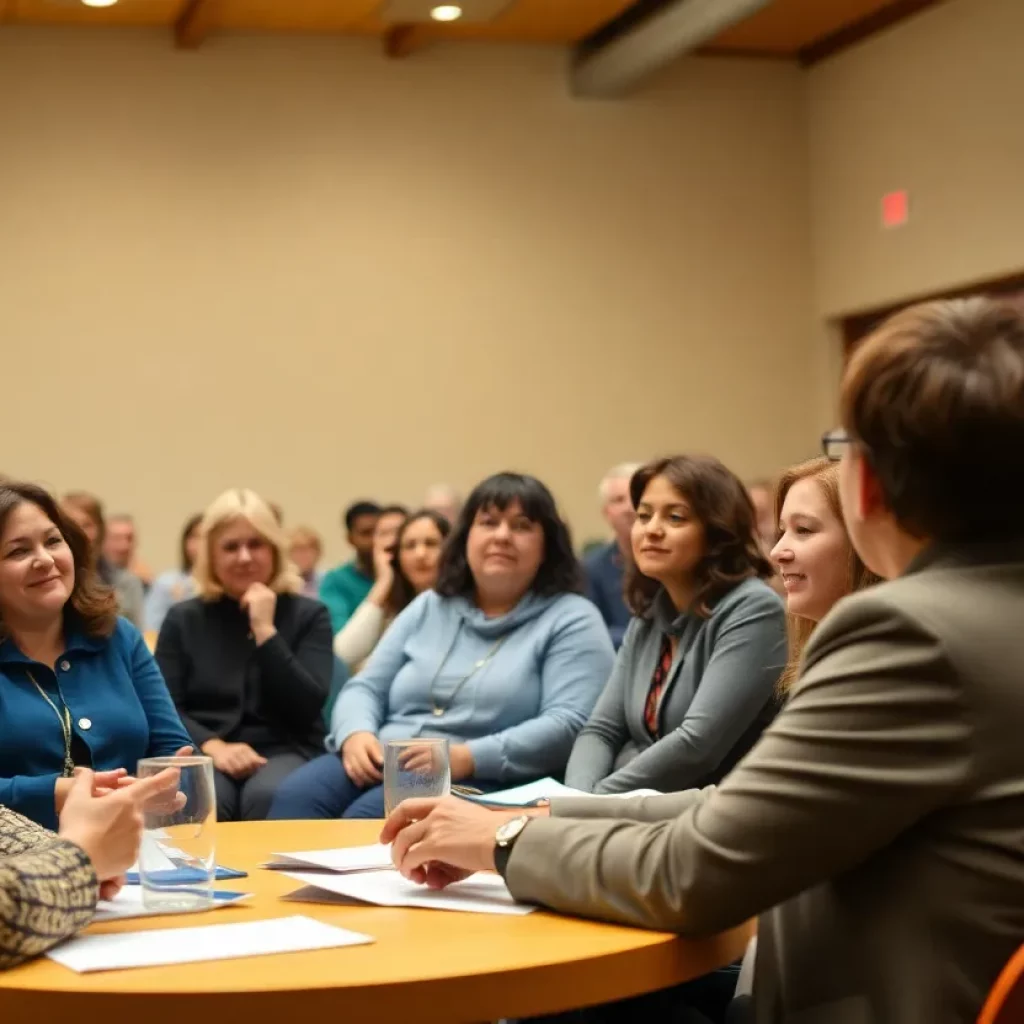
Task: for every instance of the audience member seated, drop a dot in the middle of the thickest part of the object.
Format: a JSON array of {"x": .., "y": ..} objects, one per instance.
[
  {"x": 877, "y": 825},
  {"x": 605, "y": 566},
  {"x": 49, "y": 884},
  {"x": 693, "y": 686},
  {"x": 78, "y": 686},
  {"x": 504, "y": 657},
  {"x": 248, "y": 660},
  {"x": 344, "y": 588},
  {"x": 816, "y": 561},
  {"x": 87, "y": 512},
  {"x": 444, "y": 500},
  {"x": 404, "y": 568},
  {"x": 305, "y": 550},
  {"x": 176, "y": 584},
  {"x": 120, "y": 548}
]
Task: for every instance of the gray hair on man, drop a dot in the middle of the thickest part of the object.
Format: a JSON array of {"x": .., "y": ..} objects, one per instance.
[{"x": 623, "y": 471}]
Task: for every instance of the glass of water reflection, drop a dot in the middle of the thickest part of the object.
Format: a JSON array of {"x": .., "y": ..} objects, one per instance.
[
  {"x": 177, "y": 861},
  {"x": 415, "y": 768}
]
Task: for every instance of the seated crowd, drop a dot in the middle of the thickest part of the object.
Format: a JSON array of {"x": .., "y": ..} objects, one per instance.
[{"x": 842, "y": 759}]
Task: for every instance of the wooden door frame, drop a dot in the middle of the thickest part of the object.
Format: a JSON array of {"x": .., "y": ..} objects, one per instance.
[{"x": 856, "y": 326}]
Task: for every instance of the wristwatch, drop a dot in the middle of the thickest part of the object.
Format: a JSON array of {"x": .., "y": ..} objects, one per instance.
[{"x": 504, "y": 839}]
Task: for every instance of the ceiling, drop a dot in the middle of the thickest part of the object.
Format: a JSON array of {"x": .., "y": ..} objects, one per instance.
[{"x": 789, "y": 29}]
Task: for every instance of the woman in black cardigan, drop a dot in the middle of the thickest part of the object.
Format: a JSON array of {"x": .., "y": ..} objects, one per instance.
[{"x": 248, "y": 661}]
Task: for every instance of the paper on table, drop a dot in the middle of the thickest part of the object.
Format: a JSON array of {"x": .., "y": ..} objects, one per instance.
[
  {"x": 533, "y": 792},
  {"x": 350, "y": 858},
  {"x": 480, "y": 894},
  {"x": 128, "y": 903},
  {"x": 192, "y": 945}
]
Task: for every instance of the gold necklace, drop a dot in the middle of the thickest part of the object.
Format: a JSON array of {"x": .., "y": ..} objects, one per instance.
[
  {"x": 435, "y": 708},
  {"x": 65, "y": 724}
]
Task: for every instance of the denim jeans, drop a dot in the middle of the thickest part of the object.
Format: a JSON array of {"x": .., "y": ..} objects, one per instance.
[{"x": 322, "y": 789}]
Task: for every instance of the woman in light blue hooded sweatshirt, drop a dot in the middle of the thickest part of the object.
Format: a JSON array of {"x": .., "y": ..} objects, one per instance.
[{"x": 504, "y": 658}]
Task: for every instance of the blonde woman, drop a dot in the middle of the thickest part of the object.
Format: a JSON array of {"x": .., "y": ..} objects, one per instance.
[
  {"x": 248, "y": 660},
  {"x": 813, "y": 553}
]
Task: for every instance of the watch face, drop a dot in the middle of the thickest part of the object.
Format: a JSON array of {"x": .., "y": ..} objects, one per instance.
[{"x": 508, "y": 830}]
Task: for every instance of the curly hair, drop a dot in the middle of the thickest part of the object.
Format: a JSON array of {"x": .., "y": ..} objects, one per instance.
[
  {"x": 559, "y": 572},
  {"x": 721, "y": 503},
  {"x": 92, "y": 602}
]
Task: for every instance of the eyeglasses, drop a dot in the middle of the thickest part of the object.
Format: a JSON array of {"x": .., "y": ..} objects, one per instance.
[{"x": 834, "y": 443}]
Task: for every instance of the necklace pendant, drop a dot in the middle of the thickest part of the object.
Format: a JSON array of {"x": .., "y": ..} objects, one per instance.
[{"x": 437, "y": 712}]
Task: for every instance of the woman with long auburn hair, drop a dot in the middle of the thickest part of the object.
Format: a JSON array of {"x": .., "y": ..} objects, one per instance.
[{"x": 815, "y": 558}]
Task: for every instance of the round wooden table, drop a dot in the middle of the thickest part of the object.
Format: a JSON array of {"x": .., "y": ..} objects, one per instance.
[{"x": 425, "y": 965}]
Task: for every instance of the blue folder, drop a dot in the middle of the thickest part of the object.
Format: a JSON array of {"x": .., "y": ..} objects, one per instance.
[{"x": 186, "y": 875}]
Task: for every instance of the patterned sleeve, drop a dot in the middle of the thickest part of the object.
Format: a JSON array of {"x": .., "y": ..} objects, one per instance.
[{"x": 48, "y": 889}]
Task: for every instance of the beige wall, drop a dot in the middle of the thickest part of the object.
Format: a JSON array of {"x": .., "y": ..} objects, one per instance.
[
  {"x": 933, "y": 106},
  {"x": 290, "y": 264}
]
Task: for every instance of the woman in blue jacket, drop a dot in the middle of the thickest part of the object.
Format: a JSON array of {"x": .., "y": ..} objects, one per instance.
[
  {"x": 504, "y": 658},
  {"x": 78, "y": 687}
]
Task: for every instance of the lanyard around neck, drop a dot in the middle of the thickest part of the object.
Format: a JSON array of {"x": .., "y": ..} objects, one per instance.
[{"x": 64, "y": 717}]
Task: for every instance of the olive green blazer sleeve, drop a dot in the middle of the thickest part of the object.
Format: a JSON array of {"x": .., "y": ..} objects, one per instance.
[{"x": 875, "y": 735}]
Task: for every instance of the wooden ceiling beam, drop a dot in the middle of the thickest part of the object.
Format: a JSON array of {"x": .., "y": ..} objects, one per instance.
[
  {"x": 857, "y": 31},
  {"x": 400, "y": 41},
  {"x": 193, "y": 24}
]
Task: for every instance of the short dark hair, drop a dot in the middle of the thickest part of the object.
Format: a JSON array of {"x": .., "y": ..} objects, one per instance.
[
  {"x": 92, "y": 601},
  {"x": 392, "y": 510},
  {"x": 935, "y": 399},
  {"x": 402, "y": 591},
  {"x": 357, "y": 509},
  {"x": 190, "y": 524},
  {"x": 723, "y": 506},
  {"x": 559, "y": 572}
]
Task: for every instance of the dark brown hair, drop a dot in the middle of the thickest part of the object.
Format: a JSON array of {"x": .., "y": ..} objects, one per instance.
[
  {"x": 402, "y": 591},
  {"x": 92, "y": 601},
  {"x": 721, "y": 503},
  {"x": 559, "y": 572},
  {"x": 935, "y": 400},
  {"x": 798, "y": 629}
]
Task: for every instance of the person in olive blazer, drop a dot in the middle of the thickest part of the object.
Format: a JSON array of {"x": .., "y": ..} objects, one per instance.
[
  {"x": 878, "y": 827},
  {"x": 248, "y": 661}
]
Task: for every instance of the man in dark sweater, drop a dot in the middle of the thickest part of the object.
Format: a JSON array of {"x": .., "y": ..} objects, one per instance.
[{"x": 605, "y": 566}]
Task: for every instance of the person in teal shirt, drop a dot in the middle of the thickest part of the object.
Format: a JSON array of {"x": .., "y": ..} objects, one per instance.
[{"x": 345, "y": 588}]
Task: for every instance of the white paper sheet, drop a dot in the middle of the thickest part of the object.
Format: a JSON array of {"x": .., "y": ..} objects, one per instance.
[
  {"x": 351, "y": 858},
  {"x": 533, "y": 792},
  {"x": 128, "y": 903},
  {"x": 191, "y": 945},
  {"x": 480, "y": 894}
]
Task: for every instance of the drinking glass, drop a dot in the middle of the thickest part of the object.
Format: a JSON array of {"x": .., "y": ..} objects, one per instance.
[
  {"x": 177, "y": 861},
  {"x": 415, "y": 768}
]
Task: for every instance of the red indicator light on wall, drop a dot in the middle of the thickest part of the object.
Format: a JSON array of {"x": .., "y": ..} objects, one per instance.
[{"x": 895, "y": 209}]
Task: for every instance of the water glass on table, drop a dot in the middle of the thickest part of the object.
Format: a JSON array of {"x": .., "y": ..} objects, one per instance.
[
  {"x": 177, "y": 861},
  {"x": 415, "y": 769}
]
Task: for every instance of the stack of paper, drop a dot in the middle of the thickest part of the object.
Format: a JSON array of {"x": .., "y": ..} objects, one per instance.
[
  {"x": 347, "y": 859},
  {"x": 192, "y": 945},
  {"x": 366, "y": 874},
  {"x": 128, "y": 903}
]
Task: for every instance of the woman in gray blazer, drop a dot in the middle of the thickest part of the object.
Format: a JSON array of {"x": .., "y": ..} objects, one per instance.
[{"x": 692, "y": 688}]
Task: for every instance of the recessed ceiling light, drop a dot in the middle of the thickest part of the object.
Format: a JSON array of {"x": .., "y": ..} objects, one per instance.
[
  {"x": 446, "y": 12},
  {"x": 99, "y": 3}
]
